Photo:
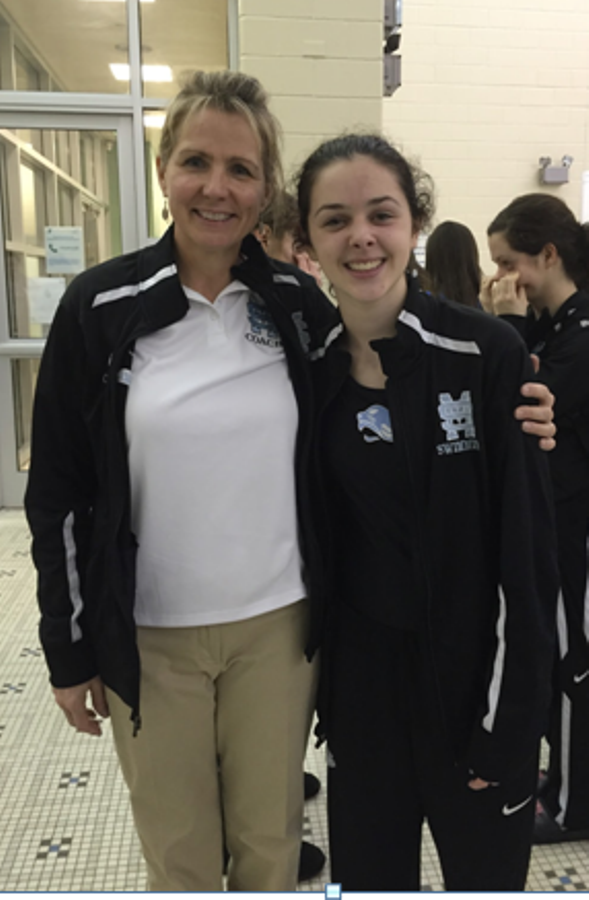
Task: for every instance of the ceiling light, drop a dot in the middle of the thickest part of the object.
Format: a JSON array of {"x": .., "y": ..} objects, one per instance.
[
  {"x": 154, "y": 119},
  {"x": 122, "y": 71},
  {"x": 117, "y": 1}
]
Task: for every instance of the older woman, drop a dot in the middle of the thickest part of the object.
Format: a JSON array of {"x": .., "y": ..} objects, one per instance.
[{"x": 169, "y": 521}]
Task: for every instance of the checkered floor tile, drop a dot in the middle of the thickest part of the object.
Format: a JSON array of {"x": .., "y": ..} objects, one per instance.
[{"x": 65, "y": 823}]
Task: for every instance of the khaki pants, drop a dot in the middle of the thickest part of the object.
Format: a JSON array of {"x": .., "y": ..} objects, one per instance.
[{"x": 225, "y": 713}]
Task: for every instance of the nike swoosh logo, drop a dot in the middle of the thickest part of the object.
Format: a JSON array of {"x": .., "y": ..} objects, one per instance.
[
  {"x": 510, "y": 810},
  {"x": 579, "y": 678}
]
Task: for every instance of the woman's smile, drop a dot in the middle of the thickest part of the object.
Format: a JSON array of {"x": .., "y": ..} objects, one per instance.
[
  {"x": 365, "y": 268},
  {"x": 362, "y": 232}
]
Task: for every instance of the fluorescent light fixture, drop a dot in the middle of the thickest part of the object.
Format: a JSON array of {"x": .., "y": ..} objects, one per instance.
[
  {"x": 117, "y": 1},
  {"x": 154, "y": 119},
  {"x": 122, "y": 71}
]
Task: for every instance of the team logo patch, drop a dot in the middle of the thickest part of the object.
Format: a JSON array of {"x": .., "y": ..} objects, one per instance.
[
  {"x": 262, "y": 329},
  {"x": 457, "y": 421},
  {"x": 374, "y": 424}
]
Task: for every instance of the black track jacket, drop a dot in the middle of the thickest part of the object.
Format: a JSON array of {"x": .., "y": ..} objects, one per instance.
[
  {"x": 78, "y": 495},
  {"x": 562, "y": 343},
  {"x": 486, "y": 565}
]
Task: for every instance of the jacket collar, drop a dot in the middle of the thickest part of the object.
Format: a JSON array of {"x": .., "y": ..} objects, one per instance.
[
  {"x": 399, "y": 354},
  {"x": 577, "y": 300},
  {"x": 542, "y": 327},
  {"x": 416, "y": 306},
  {"x": 166, "y": 302},
  {"x": 254, "y": 267}
]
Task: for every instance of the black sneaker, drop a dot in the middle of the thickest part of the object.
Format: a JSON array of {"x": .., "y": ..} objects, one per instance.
[
  {"x": 311, "y": 861},
  {"x": 312, "y": 785},
  {"x": 548, "y": 831}
]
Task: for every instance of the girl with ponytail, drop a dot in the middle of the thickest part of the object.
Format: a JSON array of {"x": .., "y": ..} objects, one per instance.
[{"x": 542, "y": 257}]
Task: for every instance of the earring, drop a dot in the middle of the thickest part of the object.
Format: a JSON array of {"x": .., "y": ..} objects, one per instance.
[{"x": 165, "y": 210}]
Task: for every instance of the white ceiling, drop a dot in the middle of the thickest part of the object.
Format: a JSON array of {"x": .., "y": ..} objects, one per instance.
[{"x": 77, "y": 39}]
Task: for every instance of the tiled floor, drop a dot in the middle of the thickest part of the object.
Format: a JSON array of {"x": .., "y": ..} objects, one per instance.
[{"x": 65, "y": 823}]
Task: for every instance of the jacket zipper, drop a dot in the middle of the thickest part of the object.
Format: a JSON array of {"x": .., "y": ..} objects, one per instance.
[{"x": 422, "y": 559}]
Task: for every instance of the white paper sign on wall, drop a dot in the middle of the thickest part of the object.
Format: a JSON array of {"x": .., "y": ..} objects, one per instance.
[
  {"x": 44, "y": 296},
  {"x": 64, "y": 246}
]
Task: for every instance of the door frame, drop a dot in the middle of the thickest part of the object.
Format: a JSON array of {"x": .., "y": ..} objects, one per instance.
[{"x": 13, "y": 481}]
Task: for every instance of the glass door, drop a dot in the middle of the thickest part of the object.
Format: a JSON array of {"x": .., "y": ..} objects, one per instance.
[{"x": 67, "y": 203}]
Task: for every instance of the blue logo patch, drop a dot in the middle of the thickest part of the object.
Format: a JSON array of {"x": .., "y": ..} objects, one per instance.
[
  {"x": 262, "y": 328},
  {"x": 375, "y": 424}
]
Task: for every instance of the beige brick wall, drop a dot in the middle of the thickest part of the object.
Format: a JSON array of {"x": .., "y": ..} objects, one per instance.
[
  {"x": 488, "y": 88},
  {"x": 321, "y": 62}
]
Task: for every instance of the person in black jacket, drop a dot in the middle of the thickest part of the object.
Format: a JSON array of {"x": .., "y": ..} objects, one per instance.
[
  {"x": 172, "y": 510},
  {"x": 540, "y": 287},
  {"x": 179, "y": 571},
  {"x": 435, "y": 683}
]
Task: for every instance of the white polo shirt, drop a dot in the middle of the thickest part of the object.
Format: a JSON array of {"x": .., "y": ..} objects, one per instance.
[{"x": 211, "y": 423}]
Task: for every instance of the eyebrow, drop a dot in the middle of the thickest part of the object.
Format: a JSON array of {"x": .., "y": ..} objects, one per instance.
[
  {"x": 193, "y": 151},
  {"x": 374, "y": 202}
]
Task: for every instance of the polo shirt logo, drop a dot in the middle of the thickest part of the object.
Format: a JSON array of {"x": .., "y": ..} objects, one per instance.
[
  {"x": 262, "y": 329},
  {"x": 457, "y": 421}
]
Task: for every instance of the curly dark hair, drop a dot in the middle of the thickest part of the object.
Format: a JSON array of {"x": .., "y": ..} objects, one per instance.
[{"x": 416, "y": 185}]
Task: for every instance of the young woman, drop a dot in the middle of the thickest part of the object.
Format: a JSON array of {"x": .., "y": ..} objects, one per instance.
[
  {"x": 452, "y": 265},
  {"x": 435, "y": 676},
  {"x": 542, "y": 257}
]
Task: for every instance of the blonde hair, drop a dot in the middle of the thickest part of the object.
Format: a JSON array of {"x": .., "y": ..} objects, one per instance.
[{"x": 234, "y": 93}]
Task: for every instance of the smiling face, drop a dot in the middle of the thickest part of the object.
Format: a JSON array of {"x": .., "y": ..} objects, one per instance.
[
  {"x": 361, "y": 230},
  {"x": 214, "y": 182},
  {"x": 532, "y": 270}
]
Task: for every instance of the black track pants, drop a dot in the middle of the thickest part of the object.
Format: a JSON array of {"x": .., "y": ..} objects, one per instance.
[
  {"x": 566, "y": 794},
  {"x": 390, "y": 768}
]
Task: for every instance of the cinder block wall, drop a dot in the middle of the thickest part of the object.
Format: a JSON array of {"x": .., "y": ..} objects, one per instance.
[
  {"x": 488, "y": 88},
  {"x": 321, "y": 62}
]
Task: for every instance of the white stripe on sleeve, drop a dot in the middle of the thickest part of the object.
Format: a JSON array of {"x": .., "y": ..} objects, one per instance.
[
  {"x": 561, "y": 627},
  {"x": 72, "y": 576},
  {"x": 498, "y": 666}
]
